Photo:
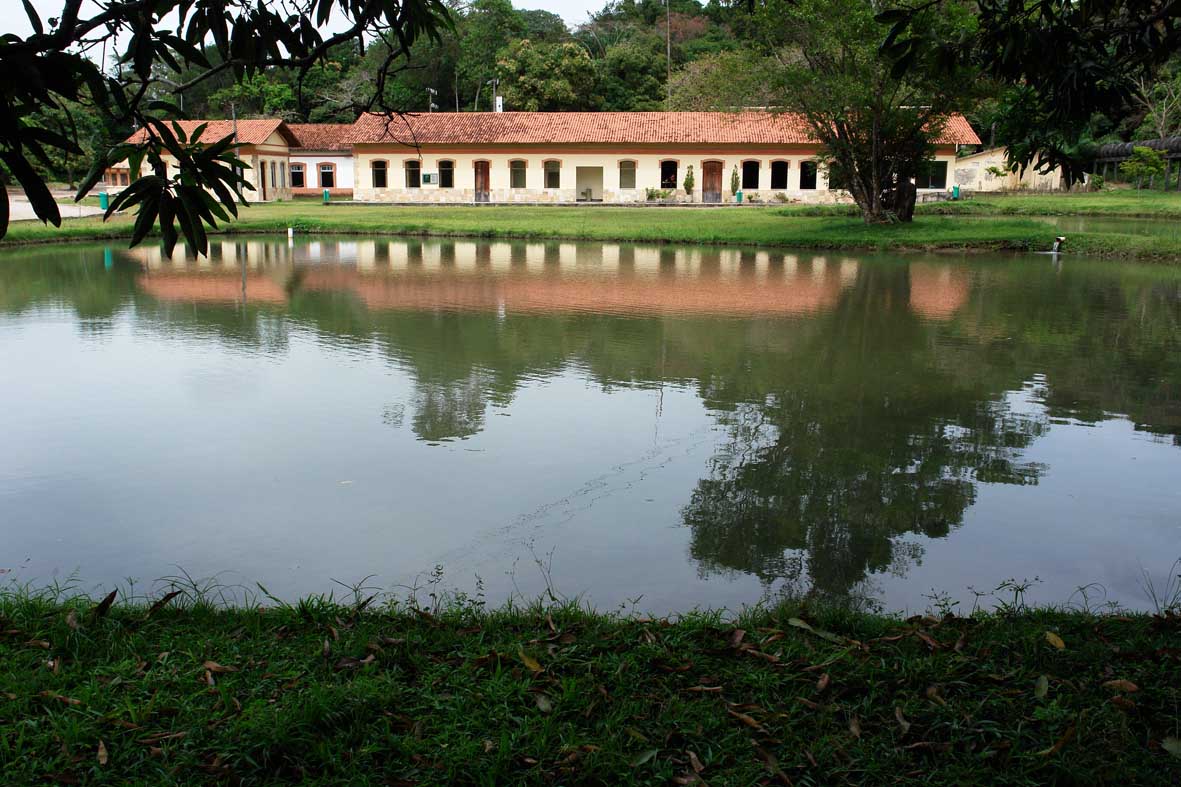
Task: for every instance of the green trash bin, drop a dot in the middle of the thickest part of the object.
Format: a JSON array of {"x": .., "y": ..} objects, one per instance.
[
  {"x": 104, "y": 200},
  {"x": 738, "y": 196},
  {"x": 325, "y": 196},
  {"x": 955, "y": 192}
]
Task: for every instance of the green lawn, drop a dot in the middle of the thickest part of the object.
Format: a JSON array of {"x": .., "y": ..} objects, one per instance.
[
  {"x": 321, "y": 693},
  {"x": 816, "y": 227}
]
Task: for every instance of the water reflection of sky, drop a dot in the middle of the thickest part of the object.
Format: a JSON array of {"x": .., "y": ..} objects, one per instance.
[{"x": 686, "y": 426}]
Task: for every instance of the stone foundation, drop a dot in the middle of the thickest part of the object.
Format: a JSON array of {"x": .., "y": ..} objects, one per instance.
[{"x": 440, "y": 196}]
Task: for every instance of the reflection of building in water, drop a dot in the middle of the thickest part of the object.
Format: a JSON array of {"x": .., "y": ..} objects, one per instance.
[
  {"x": 508, "y": 277},
  {"x": 937, "y": 291},
  {"x": 254, "y": 271},
  {"x": 533, "y": 277}
]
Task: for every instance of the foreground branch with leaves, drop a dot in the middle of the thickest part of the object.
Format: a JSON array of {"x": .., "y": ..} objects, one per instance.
[
  {"x": 176, "y": 691},
  {"x": 58, "y": 72}
]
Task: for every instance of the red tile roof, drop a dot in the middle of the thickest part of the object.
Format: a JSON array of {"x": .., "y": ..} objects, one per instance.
[
  {"x": 323, "y": 136},
  {"x": 667, "y": 128},
  {"x": 250, "y": 132}
]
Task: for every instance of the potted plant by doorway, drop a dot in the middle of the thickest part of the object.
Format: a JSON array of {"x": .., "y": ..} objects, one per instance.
[
  {"x": 690, "y": 182},
  {"x": 735, "y": 183}
]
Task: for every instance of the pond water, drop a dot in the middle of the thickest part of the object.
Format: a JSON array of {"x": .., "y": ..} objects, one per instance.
[{"x": 659, "y": 427}]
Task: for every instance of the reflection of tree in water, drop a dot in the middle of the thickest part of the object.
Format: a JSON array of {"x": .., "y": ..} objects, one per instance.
[
  {"x": 445, "y": 411},
  {"x": 862, "y": 439}
]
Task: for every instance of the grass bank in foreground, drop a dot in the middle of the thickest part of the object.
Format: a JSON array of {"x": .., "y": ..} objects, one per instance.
[
  {"x": 327, "y": 694},
  {"x": 770, "y": 226}
]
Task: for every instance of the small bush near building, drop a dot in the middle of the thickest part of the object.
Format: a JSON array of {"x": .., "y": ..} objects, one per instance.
[{"x": 1144, "y": 163}]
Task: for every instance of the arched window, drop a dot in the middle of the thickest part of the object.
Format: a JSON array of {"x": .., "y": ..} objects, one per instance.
[
  {"x": 446, "y": 174},
  {"x": 413, "y": 174},
  {"x": 807, "y": 174},
  {"x": 516, "y": 174},
  {"x": 778, "y": 174},
  {"x": 378, "y": 171},
  {"x": 327, "y": 176},
  {"x": 668, "y": 175},
  {"x": 627, "y": 174},
  {"x": 553, "y": 174},
  {"x": 750, "y": 175}
]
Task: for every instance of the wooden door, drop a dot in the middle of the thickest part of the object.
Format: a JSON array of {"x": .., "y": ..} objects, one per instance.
[
  {"x": 482, "y": 190},
  {"x": 711, "y": 181}
]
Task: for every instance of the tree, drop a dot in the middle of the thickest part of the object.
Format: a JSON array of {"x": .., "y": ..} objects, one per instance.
[
  {"x": 735, "y": 181},
  {"x": 55, "y": 67},
  {"x": 724, "y": 81},
  {"x": 631, "y": 76},
  {"x": 690, "y": 181},
  {"x": 547, "y": 77},
  {"x": 485, "y": 30},
  {"x": 1143, "y": 163},
  {"x": 876, "y": 126},
  {"x": 1161, "y": 102},
  {"x": 1066, "y": 62}
]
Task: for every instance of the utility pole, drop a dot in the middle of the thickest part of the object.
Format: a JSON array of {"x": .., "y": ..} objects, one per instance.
[
  {"x": 495, "y": 86},
  {"x": 430, "y": 99},
  {"x": 668, "y": 52}
]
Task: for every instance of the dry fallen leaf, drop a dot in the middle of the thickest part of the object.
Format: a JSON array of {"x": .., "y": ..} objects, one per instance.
[
  {"x": 1126, "y": 686},
  {"x": 160, "y": 604},
  {"x": 213, "y": 666},
  {"x": 694, "y": 762},
  {"x": 104, "y": 606},
  {"x": 704, "y": 688},
  {"x": 736, "y": 638},
  {"x": 72, "y": 619},
  {"x": 1057, "y": 747},
  {"x": 643, "y": 757},
  {"x": 747, "y": 720},
  {"x": 855, "y": 726},
  {"x": 902, "y": 722},
  {"x": 543, "y": 703},
  {"x": 102, "y": 753},
  {"x": 1041, "y": 687},
  {"x": 823, "y": 682},
  {"x": 533, "y": 664},
  {"x": 1055, "y": 640}
]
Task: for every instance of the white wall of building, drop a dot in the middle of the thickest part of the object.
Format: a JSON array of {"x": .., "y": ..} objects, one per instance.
[
  {"x": 311, "y": 161},
  {"x": 648, "y": 168}
]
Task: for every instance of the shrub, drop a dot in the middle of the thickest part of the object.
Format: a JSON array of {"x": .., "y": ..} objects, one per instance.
[
  {"x": 690, "y": 181},
  {"x": 1143, "y": 163}
]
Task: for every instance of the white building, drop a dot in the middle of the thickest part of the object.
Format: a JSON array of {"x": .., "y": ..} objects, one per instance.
[{"x": 323, "y": 159}]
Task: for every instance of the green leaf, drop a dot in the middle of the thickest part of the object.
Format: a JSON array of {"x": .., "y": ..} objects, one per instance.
[
  {"x": 35, "y": 189},
  {"x": 1172, "y": 746},
  {"x": 34, "y": 20},
  {"x": 3, "y": 210},
  {"x": 146, "y": 218},
  {"x": 1041, "y": 687},
  {"x": 644, "y": 757}
]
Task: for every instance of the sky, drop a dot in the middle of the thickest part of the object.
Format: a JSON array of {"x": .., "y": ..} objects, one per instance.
[{"x": 13, "y": 19}]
